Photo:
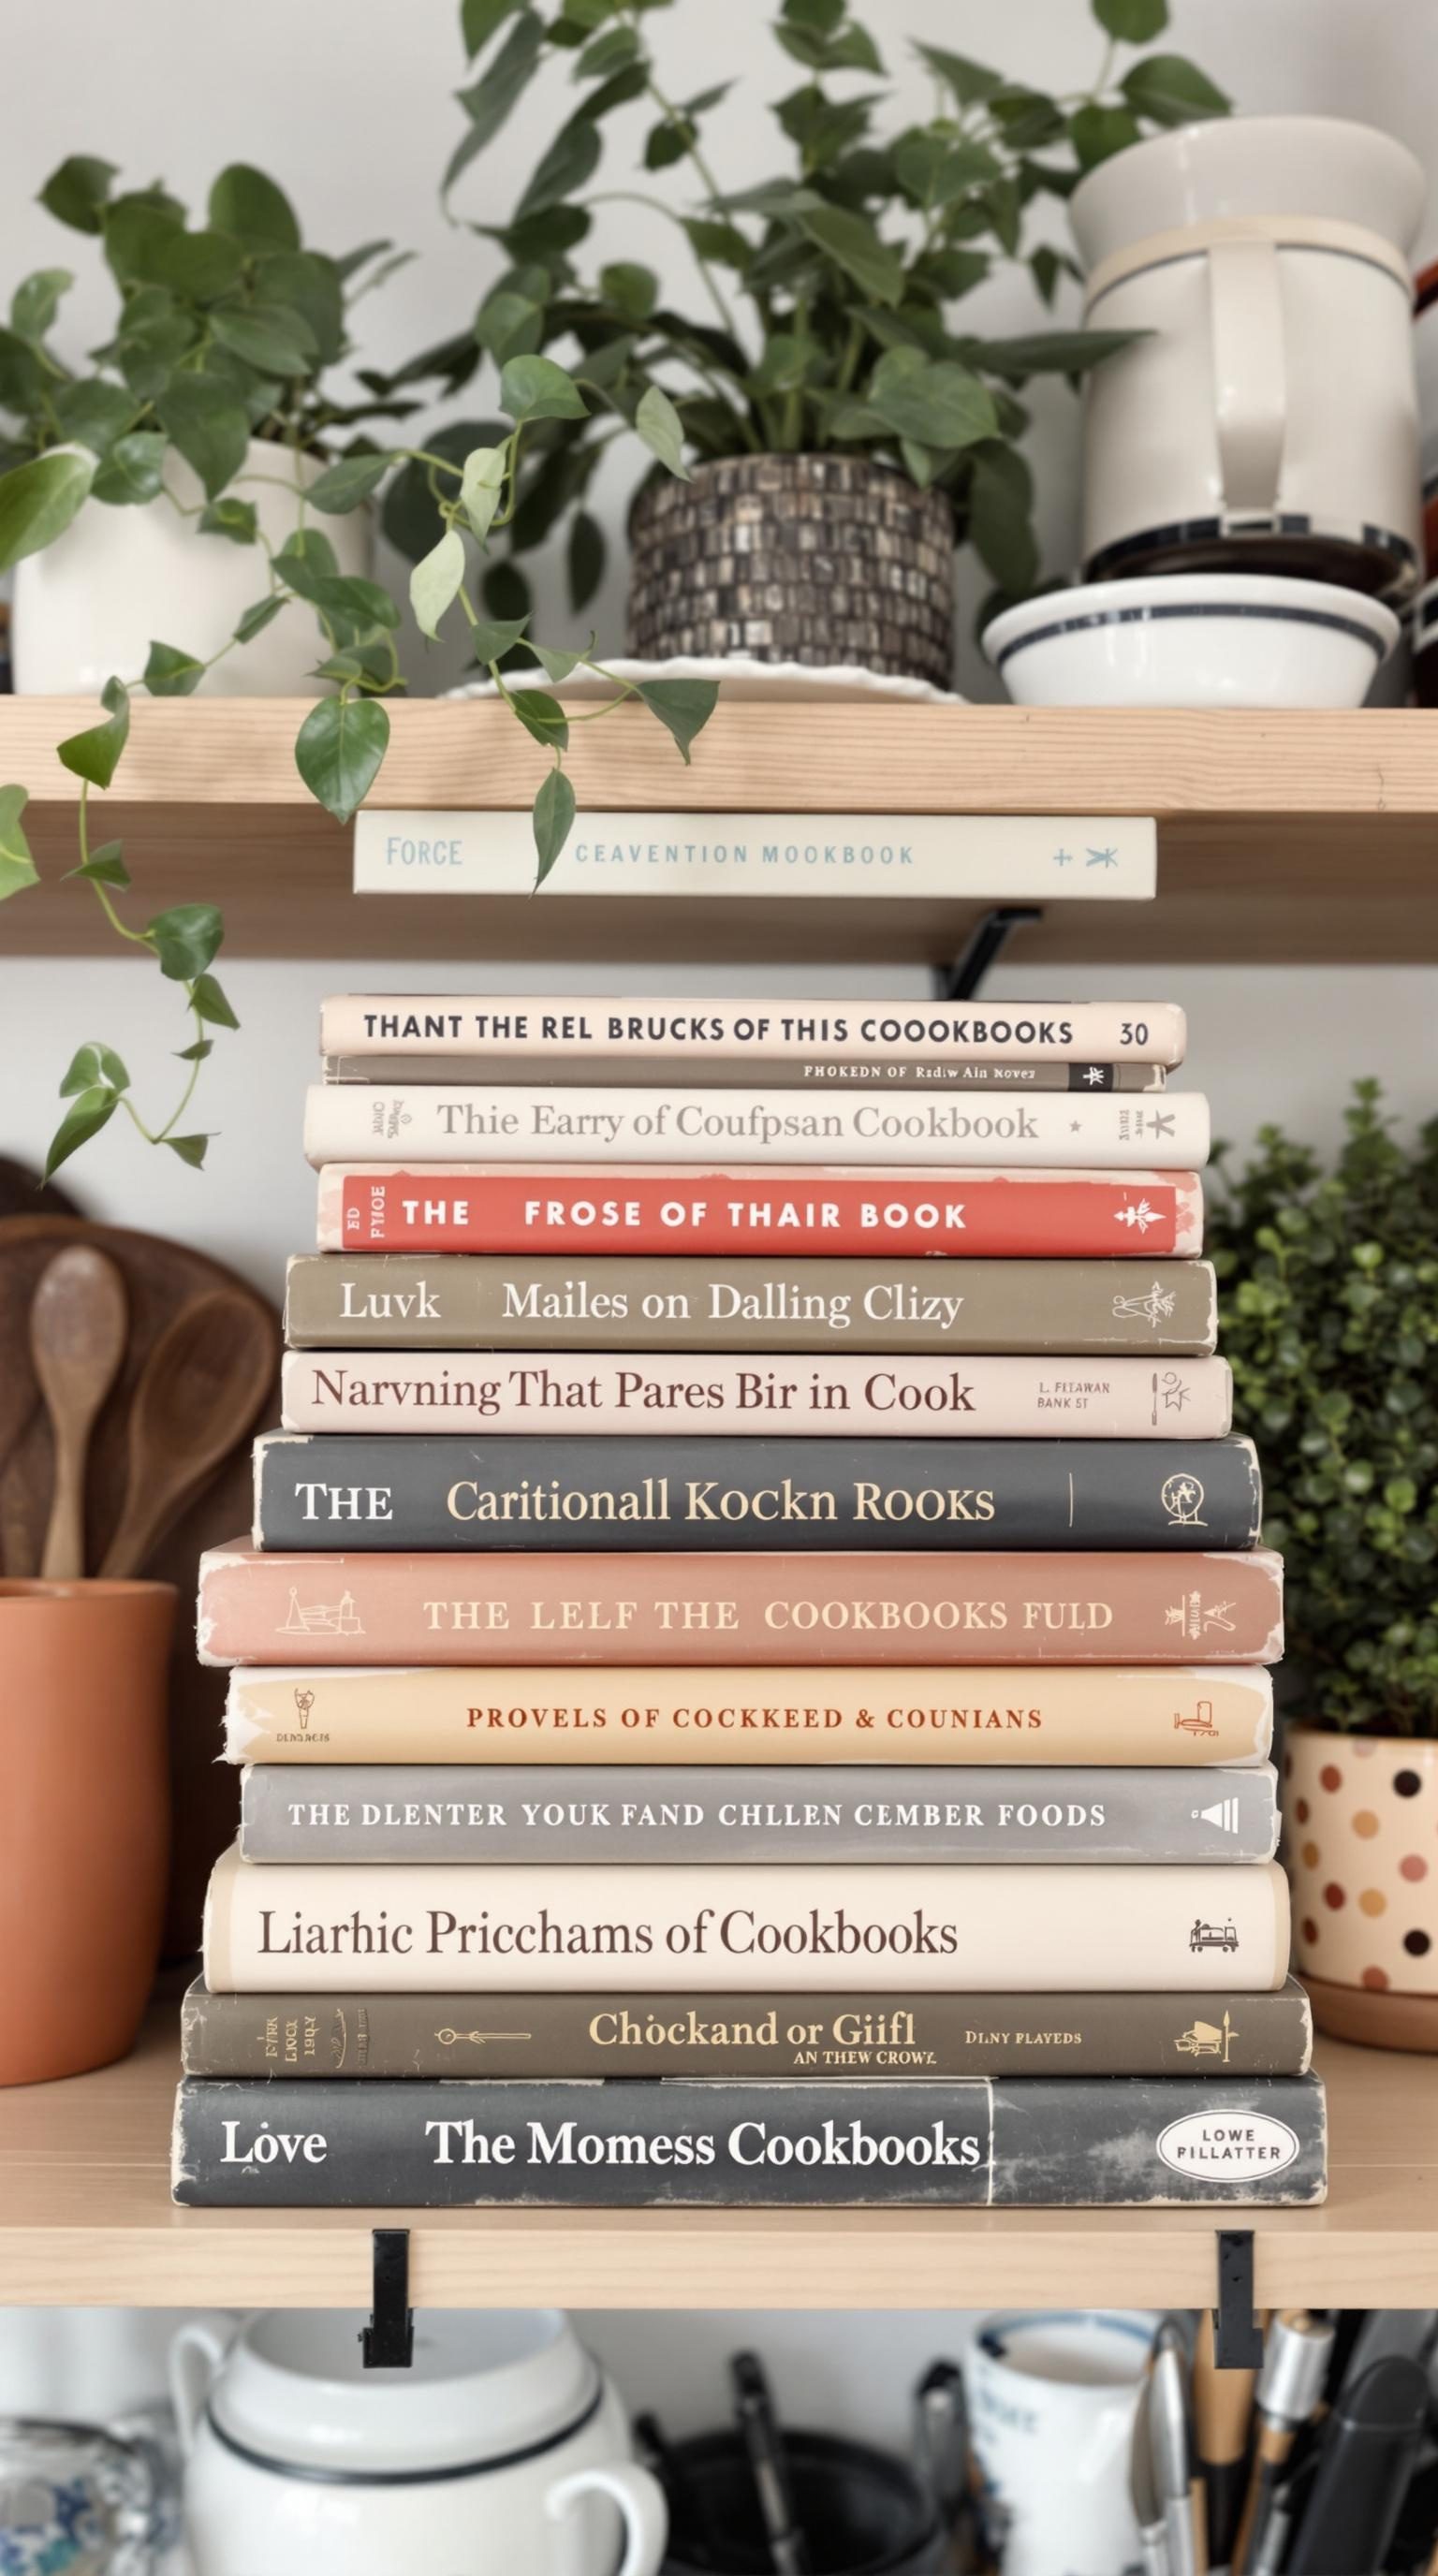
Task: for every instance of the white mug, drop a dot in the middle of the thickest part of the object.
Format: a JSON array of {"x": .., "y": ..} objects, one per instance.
[
  {"x": 504, "y": 2447},
  {"x": 1053, "y": 2399}
]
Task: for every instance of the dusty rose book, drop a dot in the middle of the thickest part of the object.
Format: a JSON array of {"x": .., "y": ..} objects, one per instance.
[
  {"x": 567, "y": 1207},
  {"x": 685, "y": 1608},
  {"x": 1157, "y": 1715}
]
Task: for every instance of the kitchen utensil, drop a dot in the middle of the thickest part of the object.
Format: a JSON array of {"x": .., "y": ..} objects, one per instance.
[
  {"x": 1223, "y": 2415},
  {"x": 1148, "y": 2503},
  {"x": 754, "y": 2413},
  {"x": 504, "y": 2448},
  {"x": 1370, "y": 2444},
  {"x": 1168, "y": 2409},
  {"x": 202, "y": 1386},
  {"x": 944, "y": 2461},
  {"x": 160, "y": 1278},
  {"x": 1290, "y": 2385},
  {"x": 78, "y": 1324},
  {"x": 1193, "y": 639}
]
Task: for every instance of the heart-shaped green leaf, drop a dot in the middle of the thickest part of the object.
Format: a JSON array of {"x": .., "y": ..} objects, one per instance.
[
  {"x": 683, "y": 707},
  {"x": 75, "y": 194},
  {"x": 208, "y": 999},
  {"x": 83, "y": 1119},
  {"x": 537, "y": 389},
  {"x": 493, "y": 637},
  {"x": 208, "y": 425},
  {"x": 1169, "y": 91},
  {"x": 95, "y": 754},
  {"x": 38, "y": 502},
  {"x": 230, "y": 517},
  {"x": 661, "y": 429},
  {"x": 191, "y": 1149},
  {"x": 185, "y": 939},
  {"x": 338, "y": 753},
  {"x": 482, "y": 487},
  {"x": 939, "y": 403},
  {"x": 553, "y": 820},
  {"x": 343, "y": 485},
  {"x": 852, "y": 243},
  {"x": 170, "y": 673},
  {"x": 133, "y": 470},
  {"x": 17, "y": 866},
  {"x": 436, "y": 582},
  {"x": 92, "y": 1064},
  {"x": 542, "y": 716},
  {"x": 244, "y": 202}
]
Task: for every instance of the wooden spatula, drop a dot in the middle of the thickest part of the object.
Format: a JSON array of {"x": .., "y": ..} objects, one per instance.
[
  {"x": 79, "y": 1323},
  {"x": 200, "y": 1390}
]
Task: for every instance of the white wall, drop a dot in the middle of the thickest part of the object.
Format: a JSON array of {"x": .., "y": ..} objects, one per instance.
[{"x": 351, "y": 109}]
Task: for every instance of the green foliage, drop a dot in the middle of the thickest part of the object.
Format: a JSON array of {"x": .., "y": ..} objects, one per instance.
[
  {"x": 832, "y": 285},
  {"x": 1328, "y": 1311}
]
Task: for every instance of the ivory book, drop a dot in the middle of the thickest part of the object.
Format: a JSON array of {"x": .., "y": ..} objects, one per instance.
[
  {"x": 452, "y": 1926},
  {"x": 444, "y": 1812},
  {"x": 688, "y": 1608},
  {"x": 577, "y": 1025},
  {"x": 371, "y": 1489},
  {"x": 767, "y": 2031},
  {"x": 713, "y": 1393},
  {"x": 1170, "y": 1715},
  {"x": 1030, "y": 2141},
  {"x": 519, "y": 1123},
  {"x": 566, "y": 1207},
  {"x": 1003, "y": 858},
  {"x": 453, "y": 1301}
]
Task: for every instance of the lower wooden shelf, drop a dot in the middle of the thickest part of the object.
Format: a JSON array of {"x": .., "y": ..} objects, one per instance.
[{"x": 86, "y": 2220}]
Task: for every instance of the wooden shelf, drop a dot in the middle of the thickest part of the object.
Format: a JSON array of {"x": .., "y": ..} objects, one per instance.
[
  {"x": 1285, "y": 838},
  {"x": 86, "y": 2219}
]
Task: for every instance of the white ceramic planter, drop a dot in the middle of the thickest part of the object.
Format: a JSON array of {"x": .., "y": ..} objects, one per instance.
[
  {"x": 1360, "y": 1819},
  {"x": 503, "y": 2449},
  {"x": 122, "y": 578}
]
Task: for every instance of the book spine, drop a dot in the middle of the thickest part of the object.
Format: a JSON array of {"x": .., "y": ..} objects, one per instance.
[
  {"x": 659, "y": 1816},
  {"x": 377, "y": 1490},
  {"x": 515, "y": 1123},
  {"x": 468, "y": 1301},
  {"x": 713, "y": 1394},
  {"x": 1018, "y": 1215},
  {"x": 742, "y": 1073},
  {"x": 623, "y": 2032},
  {"x": 450, "y": 1926},
  {"x": 388, "y": 1608},
  {"x": 573, "y": 1025},
  {"x": 820, "y": 1714},
  {"x": 1033, "y": 2141}
]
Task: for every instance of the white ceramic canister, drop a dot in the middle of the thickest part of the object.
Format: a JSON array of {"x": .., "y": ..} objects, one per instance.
[
  {"x": 125, "y": 576},
  {"x": 1053, "y": 2397},
  {"x": 504, "y": 2448},
  {"x": 1267, "y": 419}
]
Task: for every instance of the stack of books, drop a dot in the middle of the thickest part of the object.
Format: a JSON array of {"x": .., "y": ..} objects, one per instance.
[{"x": 752, "y": 1667}]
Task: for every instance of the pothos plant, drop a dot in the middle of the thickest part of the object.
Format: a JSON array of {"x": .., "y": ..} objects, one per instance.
[
  {"x": 224, "y": 334},
  {"x": 831, "y": 289},
  {"x": 1328, "y": 1311}
]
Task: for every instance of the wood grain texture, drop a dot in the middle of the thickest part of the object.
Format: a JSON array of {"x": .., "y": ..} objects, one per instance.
[
  {"x": 86, "y": 2217},
  {"x": 1284, "y": 838}
]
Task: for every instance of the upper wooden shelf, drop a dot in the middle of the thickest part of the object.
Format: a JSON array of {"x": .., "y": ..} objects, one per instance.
[
  {"x": 1283, "y": 839},
  {"x": 86, "y": 2218}
]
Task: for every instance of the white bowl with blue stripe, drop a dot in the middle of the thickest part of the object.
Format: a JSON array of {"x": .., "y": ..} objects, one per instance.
[{"x": 1205, "y": 639}]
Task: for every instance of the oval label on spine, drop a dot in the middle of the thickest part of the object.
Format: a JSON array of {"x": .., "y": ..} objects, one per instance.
[{"x": 1231, "y": 2146}]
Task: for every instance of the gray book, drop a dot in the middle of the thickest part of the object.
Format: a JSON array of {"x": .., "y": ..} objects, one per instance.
[
  {"x": 1033, "y": 2142},
  {"x": 446, "y": 1812}
]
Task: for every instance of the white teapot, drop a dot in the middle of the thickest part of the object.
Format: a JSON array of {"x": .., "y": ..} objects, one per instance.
[{"x": 504, "y": 2448}]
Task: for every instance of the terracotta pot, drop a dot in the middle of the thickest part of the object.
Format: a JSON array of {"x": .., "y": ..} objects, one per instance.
[
  {"x": 84, "y": 1819},
  {"x": 813, "y": 559},
  {"x": 1361, "y": 1843}
]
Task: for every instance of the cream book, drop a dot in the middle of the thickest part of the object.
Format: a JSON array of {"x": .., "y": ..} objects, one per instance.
[{"x": 335, "y": 1928}]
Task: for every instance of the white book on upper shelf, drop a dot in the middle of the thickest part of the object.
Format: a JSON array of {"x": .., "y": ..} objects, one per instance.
[{"x": 1000, "y": 858}]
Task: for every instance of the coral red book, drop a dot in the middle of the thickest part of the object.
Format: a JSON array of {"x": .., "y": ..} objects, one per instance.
[{"x": 568, "y": 1207}]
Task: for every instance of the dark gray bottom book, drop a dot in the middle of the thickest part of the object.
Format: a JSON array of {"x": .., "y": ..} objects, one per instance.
[
  {"x": 1036, "y": 2142},
  {"x": 634, "y": 2032}
]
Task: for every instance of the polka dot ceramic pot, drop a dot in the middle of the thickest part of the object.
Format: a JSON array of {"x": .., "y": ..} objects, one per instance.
[{"x": 1361, "y": 1844}]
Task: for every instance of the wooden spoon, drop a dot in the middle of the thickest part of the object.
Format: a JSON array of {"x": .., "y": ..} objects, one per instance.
[
  {"x": 199, "y": 1391},
  {"x": 79, "y": 1324}
]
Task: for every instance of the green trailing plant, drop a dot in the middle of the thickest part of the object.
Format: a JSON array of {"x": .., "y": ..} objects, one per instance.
[
  {"x": 830, "y": 291},
  {"x": 223, "y": 335},
  {"x": 1328, "y": 1311}
]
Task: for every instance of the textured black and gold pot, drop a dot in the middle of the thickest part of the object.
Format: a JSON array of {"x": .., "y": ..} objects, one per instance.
[{"x": 814, "y": 559}]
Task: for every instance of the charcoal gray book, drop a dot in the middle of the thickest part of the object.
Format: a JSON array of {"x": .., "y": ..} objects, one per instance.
[
  {"x": 444, "y": 1812},
  {"x": 1034, "y": 2142},
  {"x": 639, "y": 2030},
  {"x": 739, "y": 1072},
  {"x": 396, "y": 1490}
]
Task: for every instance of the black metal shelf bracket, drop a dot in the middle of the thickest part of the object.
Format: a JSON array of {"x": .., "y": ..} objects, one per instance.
[
  {"x": 1237, "y": 2336},
  {"x": 388, "y": 2339},
  {"x": 961, "y": 981}
]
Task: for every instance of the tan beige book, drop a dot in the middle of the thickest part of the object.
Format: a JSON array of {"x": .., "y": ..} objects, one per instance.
[{"x": 1161, "y": 1714}]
